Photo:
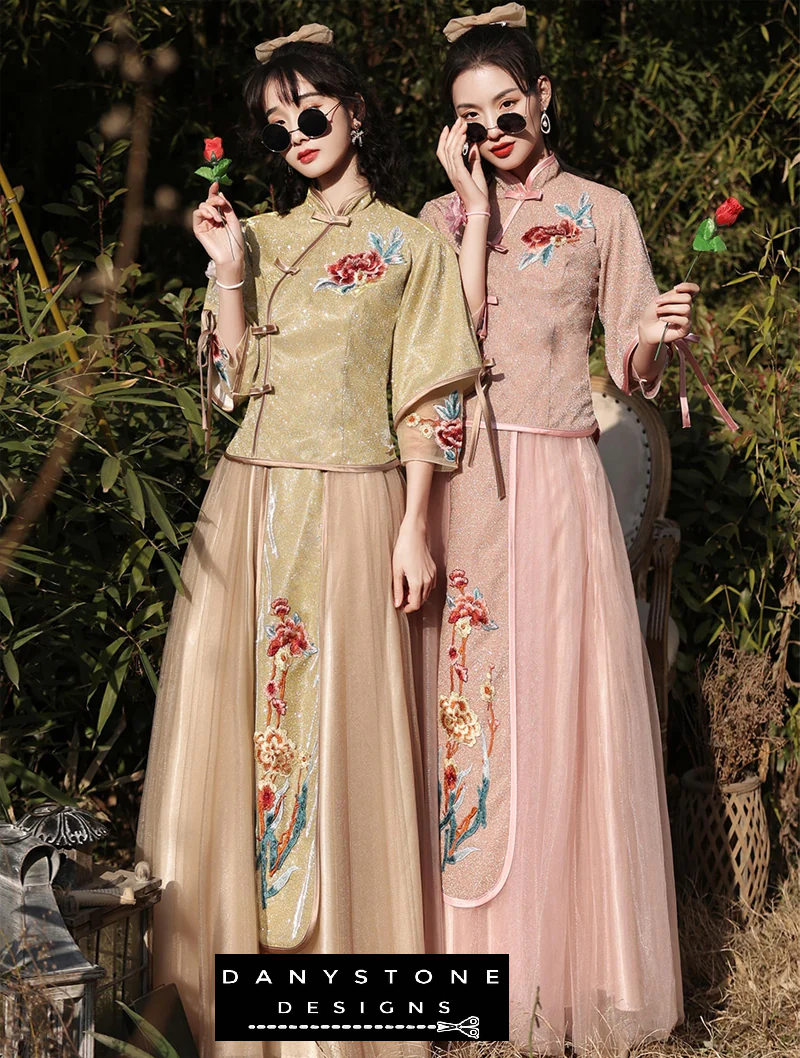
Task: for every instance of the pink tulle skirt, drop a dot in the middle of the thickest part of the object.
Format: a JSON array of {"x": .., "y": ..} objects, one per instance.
[{"x": 587, "y": 910}]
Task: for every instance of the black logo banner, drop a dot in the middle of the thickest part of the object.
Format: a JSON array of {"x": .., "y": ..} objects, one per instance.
[{"x": 361, "y": 997}]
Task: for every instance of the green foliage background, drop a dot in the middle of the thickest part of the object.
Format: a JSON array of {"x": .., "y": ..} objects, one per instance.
[{"x": 677, "y": 104}]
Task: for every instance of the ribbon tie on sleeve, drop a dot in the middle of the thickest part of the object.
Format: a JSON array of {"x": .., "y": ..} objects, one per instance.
[
  {"x": 681, "y": 347},
  {"x": 483, "y": 413}
]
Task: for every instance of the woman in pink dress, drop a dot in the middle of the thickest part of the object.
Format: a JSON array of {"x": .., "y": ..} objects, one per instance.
[{"x": 554, "y": 836}]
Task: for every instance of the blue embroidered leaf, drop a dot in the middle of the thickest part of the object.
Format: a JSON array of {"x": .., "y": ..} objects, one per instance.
[
  {"x": 525, "y": 260},
  {"x": 392, "y": 253},
  {"x": 461, "y": 797},
  {"x": 461, "y": 853},
  {"x": 377, "y": 242},
  {"x": 281, "y": 881},
  {"x": 451, "y": 602},
  {"x": 299, "y": 824},
  {"x": 464, "y": 772},
  {"x": 477, "y": 593},
  {"x": 296, "y": 618},
  {"x": 271, "y": 631},
  {"x": 450, "y": 455},
  {"x": 490, "y": 627},
  {"x": 311, "y": 650},
  {"x": 564, "y": 210},
  {"x": 451, "y": 409}
]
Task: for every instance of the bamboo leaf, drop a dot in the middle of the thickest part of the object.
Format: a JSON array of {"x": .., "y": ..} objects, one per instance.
[
  {"x": 113, "y": 687},
  {"x": 120, "y": 1046},
  {"x": 16, "y": 767},
  {"x": 159, "y": 514},
  {"x": 54, "y": 299},
  {"x": 5, "y": 609},
  {"x": 11, "y": 667},
  {"x": 23, "y": 353},
  {"x": 135, "y": 497},
  {"x": 109, "y": 472},
  {"x": 148, "y": 671},
  {"x": 173, "y": 571}
]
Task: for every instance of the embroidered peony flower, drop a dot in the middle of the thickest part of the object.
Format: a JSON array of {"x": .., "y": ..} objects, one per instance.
[
  {"x": 455, "y": 216},
  {"x": 266, "y": 796},
  {"x": 280, "y": 607},
  {"x": 452, "y": 653},
  {"x": 566, "y": 230},
  {"x": 468, "y": 607},
  {"x": 461, "y": 671},
  {"x": 464, "y": 627},
  {"x": 458, "y": 579},
  {"x": 449, "y": 433},
  {"x": 413, "y": 420},
  {"x": 276, "y": 752},
  {"x": 458, "y": 720},
  {"x": 728, "y": 212},
  {"x": 213, "y": 149},
  {"x": 291, "y": 635},
  {"x": 357, "y": 268},
  {"x": 450, "y": 776}
]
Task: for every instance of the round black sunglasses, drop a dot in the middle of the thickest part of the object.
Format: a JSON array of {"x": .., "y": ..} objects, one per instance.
[
  {"x": 512, "y": 124},
  {"x": 312, "y": 122}
]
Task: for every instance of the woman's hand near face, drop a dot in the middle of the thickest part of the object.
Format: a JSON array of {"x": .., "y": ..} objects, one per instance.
[
  {"x": 216, "y": 226},
  {"x": 470, "y": 183}
]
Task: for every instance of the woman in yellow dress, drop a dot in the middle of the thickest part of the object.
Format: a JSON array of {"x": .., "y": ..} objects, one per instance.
[{"x": 284, "y": 793}]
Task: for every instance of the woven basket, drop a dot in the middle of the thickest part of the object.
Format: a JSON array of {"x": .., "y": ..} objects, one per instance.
[{"x": 724, "y": 839}]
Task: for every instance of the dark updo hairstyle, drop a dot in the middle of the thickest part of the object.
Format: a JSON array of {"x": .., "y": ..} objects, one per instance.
[
  {"x": 509, "y": 49},
  {"x": 380, "y": 158}
]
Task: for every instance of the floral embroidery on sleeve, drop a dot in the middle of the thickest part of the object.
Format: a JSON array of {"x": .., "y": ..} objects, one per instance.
[
  {"x": 543, "y": 239},
  {"x": 447, "y": 428},
  {"x": 282, "y": 766},
  {"x": 462, "y": 726},
  {"x": 355, "y": 270},
  {"x": 455, "y": 216}
]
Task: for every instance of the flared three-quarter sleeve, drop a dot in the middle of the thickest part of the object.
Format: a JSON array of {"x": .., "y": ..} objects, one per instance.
[
  {"x": 626, "y": 288},
  {"x": 435, "y": 356},
  {"x": 230, "y": 375}
]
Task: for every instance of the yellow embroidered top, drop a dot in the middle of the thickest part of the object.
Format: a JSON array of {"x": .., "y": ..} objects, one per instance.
[{"x": 355, "y": 321}]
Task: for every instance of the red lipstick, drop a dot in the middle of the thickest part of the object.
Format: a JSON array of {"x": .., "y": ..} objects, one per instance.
[
  {"x": 308, "y": 156},
  {"x": 502, "y": 150}
]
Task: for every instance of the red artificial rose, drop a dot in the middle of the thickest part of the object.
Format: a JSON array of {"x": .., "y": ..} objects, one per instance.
[
  {"x": 213, "y": 149},
  {"x": 449, "y": 433},
  {"x": 458, "y": 578},
  {"x": 357, "y": 268},
  {"x": 728, "y": 212},
  {"x": 280, "y": 607},
  {"x": 542, "y": 235}
]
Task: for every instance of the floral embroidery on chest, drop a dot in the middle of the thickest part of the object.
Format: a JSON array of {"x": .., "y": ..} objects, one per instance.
[
  {"x": 282, "y": 790},
  {"x": 543, "y": 240},
  {"x": 355, "y": 270},
  {"x": 462, "y": 727},
  {"x": 446, "y": 428}
]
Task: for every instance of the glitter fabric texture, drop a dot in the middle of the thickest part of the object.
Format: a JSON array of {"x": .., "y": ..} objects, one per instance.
[
  {"x": 569, "y": 867},
  {"x": 284, "y": 786}
]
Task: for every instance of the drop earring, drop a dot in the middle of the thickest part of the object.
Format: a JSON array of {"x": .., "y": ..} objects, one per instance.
[
  {"x": 545, "y": 123},
  {"x": 357, "y": 136}
]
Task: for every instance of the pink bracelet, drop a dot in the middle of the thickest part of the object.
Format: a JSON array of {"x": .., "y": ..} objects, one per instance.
[{"x": 477, "y": 213}]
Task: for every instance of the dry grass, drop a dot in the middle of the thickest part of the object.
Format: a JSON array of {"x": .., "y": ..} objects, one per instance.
[{"x": 742, "y": 986}]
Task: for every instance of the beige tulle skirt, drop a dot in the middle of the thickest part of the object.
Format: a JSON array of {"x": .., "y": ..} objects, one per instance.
[{"x": 199, "y": 814}]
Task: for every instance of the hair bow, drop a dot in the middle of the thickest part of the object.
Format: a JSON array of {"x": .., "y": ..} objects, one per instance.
[
  {"x": 315, "y": 33},
  {"x": 513, "y": 15}
]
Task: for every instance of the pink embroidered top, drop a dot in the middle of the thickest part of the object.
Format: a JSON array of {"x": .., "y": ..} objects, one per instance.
[{"x": 561, "y": 248}]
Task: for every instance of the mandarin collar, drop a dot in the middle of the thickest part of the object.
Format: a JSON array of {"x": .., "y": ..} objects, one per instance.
[
  {"x": 541, "y": 174},
  {"x": 358, "y": 201}
]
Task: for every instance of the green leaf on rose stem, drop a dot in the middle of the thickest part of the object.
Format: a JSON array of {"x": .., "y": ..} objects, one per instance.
[
  {"x": 204, "y": 171},
  {"x": 705, "y": 234},
  {"x": 717, "y": 245},
  {"x": 222, "y": 166},
  {"x": 225, "y": 181}
]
